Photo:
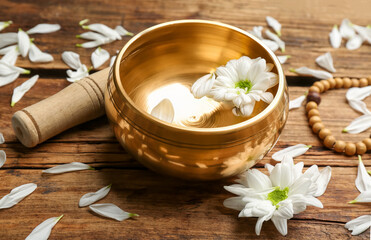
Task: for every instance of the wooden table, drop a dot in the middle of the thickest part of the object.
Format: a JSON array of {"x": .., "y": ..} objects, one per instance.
[{"x": 170, "y": 208}]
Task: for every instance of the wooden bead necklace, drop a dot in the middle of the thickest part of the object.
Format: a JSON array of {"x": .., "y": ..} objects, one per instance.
[{"x": 314, "y": 99}]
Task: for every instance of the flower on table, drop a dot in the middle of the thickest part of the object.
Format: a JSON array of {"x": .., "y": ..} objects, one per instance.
[
  {"x": 243, "y": 82},
  {"x": 287, "y": 191}
]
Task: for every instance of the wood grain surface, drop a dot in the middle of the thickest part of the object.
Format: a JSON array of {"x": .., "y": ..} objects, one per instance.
[{"x": 171, "y": 208}]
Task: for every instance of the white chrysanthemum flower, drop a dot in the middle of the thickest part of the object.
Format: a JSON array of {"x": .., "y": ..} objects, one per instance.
[
  {"x": 243, "y": 82},
  {"x": 287, "y": 191}
]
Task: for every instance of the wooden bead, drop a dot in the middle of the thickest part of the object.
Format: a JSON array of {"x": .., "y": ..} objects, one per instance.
[
  {"x": 332, "y": 82},
  {"x": 314, "y": 89},
  {"x": 339, "y": 146},
  {"x": 355, "y": 82},
  {"x": 315, "y": 97},
  {"x": 326, "y": 84},
  {"x": 339, "y": 82},
  {"x": 367, "y": 142},
  {"x": 314, "y": 119},
  {"x": 363, "y": 82},
  {"x": 324, "y": 133},
  {"x": 317, "y": 127},
  {"x": 329, "y": 141},
  {"x": 311, "y": 105},
  {"x": 313, "y": 112},
  {"x": 320, "y": 86},
  {"x": 369, "y": 80},
  {"x": 350, "y": 149},
  {"x": 361, "y": 148},
  {"x": 347, "y": 83}
]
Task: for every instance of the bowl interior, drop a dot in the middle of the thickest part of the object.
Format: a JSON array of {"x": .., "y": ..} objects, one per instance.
[{"x": 164, "y": 63}]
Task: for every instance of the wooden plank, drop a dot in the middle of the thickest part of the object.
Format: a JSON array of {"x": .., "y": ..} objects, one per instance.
[
  {"x": 305, "y": 30},
  {"x": 168, "y": 208}
]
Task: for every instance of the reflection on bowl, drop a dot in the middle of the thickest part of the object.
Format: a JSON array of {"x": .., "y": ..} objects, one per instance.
[{"x": 205, "y": 141}]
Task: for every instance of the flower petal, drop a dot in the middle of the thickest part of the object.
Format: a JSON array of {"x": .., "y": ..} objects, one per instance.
[
  {"x": 6, "y": 69},
  {"x": 17, "y": 195},
  {"x": 257, "y": 180},
  {"x": 322, "y": 181},
  {"x": 68, "y": 167},
  {"x": 36, "y": 55},
  {"x": 79, "y": 74},
  {"x": 335, "y": 37},
  {"x": 273, "y": 23},
  {"x": 7, "y": 49},
  {"x": 95, "y": 43},
  {"x": 356, "y": 93},
  {"x": 293, "y": 151},
  {"x": 364, "y": 197},
  {"x": 99, "y": 56},
  {"x": 122, "y": 31},
  {"x": 72, "y": 59},
  {"x": 19, "y": 91},
  {"x": 276, "y": 38},
  {"x": 104, "y": 30},
  {"x": 8, "y": 39},
  {"x": 2, "y": 157},
  {"x": 311, "y": 72},
  {"x": 11, "y": 56},
  {"x": 359, "y": 124},
  {"x": 325, "y": 61},
  {"x": 5, "y": 24},
  {"x": 354, "y": 43},
  {"x": 363, "y": 180},
  {"x": 44, "y": 28},
  {"x": 43, "y": 230},
  {"x": 235, "y": 203},
  {"x": 23, "y": 42},
  {"x": 280, "y": 224},
  {"x": 111, "y": 211},
  {"x": 346, "y": 29},
  {"x": 2, "y": 140},
  {"x": 91, "y": 36},
  {"x": 364, "y": 32},
  {"x": 359, "y": 106},
  {"x": 283, "y": 59},
  {"x": 92, "y": 197},
  {"x": 359, "y": 225},
  {"x": 203, "y": 85},
  {"x": 297, "y": 102},
  {"x": 164, "y": 111},
  {"x": 272, "y": 45},
  {"x": 4, "y": 80}
]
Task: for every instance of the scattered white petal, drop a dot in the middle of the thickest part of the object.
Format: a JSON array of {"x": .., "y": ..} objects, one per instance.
[
  {"x": 5, "y": 24},
  {"x": 104, "y": 30},
  {"x": 2, "y": 157},
  {"x": 363, "y": 180},
  {"x": 325, "y": 61},
  {"x": 283, "y": 59},
  {"x": 43, "y": 230},
  {"x": 297, "y": 102},
  {"x": 277, "y": 39},
  {"x": 273, "y": 23},
  {"x": 257, "y": 32},
  {"x": 2, "y": 140},
  {"x": 36, "y": 55},
  {"x": 11, "y": 56},
  {"x": 99, "y": 56},
  {"x": 68, "y": 167},
  {"x": 44, "y": 28},
  {"x": 354, "y": 43},
  {"x": 79, "y": 74},
  {"x": 91, "y": 36},
  {"x": 357, "y": 93},
  {"x": 335, "y": 37},
  {"x": 95, "y": 43},
  {"x": 19, "y": 91},
  {"x": 111, "y": 211},
  {"x": 82, "y": 22},
  {"x": 7, "y": 49},
  {"x": 272, "y": 45},
  {"x": 359, "y": 124},
  {"x": 359, "y": 225},
  {"x": 164, "y": 111},
  {"x": 4, "y": 80},
  {"x": 203, "y": 85},
  {"x": 346, "y": 29},
  {"x": 122, "y": 31},
  {"x": 364, "y": 32},
  {"x": 311, "y": 72},
  {"x": 8, "y": 39},
  {"x": 112, "y": 61},
  {"x": 92, "y": 197},
  {"x": 7, "y": 69},
  {"x": 363, "y": 197},
  {"x": 17, "y": 195},
  {"x": 322, "y": 181},
  {"x": 72, "y": 59},
  {"x": 293, "y": 151},
  {"x": 359, "y": 106},
  {"x": 23, "y": 42}
]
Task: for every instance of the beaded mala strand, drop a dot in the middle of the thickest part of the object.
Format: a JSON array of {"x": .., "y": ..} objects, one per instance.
[{"x": 314, "y": 99}]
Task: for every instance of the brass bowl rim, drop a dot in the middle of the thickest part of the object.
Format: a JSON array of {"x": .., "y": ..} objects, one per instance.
[{"x": 217, "y": 130}]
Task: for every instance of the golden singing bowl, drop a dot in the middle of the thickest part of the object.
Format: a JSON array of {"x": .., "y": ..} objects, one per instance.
[{"x": 205, "y": 141}]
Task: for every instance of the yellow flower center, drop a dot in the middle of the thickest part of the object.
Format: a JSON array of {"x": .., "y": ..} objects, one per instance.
[
  {"x": 278, "y": 195},
  {"x": 244, "y": 84}
]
